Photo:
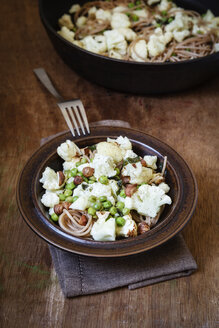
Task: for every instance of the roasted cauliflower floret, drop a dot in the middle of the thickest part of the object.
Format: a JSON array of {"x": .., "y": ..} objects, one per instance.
[{"x": 67, "y": 150}]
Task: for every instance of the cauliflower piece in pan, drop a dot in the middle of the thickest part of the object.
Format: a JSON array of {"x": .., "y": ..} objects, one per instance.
[
  {"x": 157, "y": 42},
  {"x": 120, "y": 20},
  {"x": 115, "y": 41},
  {"x": 66, "y": 21},
  {"x": 110, "y": 149},
  {"x": 119, "y": 9},
  {"x": 103, "y": 15},
  {"x": 129, "y": 229},
  {"x": 139, "y": 52},
  {"x": 50, "y": 199},
  {"x": 92, "y": 11},
  {"x": 114, "y": 54},
  {"x": 164, "y": 5},
  {"x": 74, "y": 8},
  {"x": 103, "y": 229},
  {"x": 81, "y": 21},
  {"x": 128, "y": 33},
  {"x": 95, "y": 43},
  {"x": 141, "y": 13},
  {"x": 50, "y": 179},
  {"x": 179, "y": 36},
  {"x": 66, "y": 34},
  {"x": 67, "y": 150},
  {"x": 152, "y": 2}
]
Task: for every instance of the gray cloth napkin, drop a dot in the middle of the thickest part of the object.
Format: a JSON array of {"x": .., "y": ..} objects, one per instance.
[{"x": 82, "y": 275}]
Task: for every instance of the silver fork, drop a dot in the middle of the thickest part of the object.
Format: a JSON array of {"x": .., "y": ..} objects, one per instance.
[{"x": 72, "y": 110}]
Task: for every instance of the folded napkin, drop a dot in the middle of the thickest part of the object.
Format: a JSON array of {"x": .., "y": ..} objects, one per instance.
[{"x": 82, "y": 275}]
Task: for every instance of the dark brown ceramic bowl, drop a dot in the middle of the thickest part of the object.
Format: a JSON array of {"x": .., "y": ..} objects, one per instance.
[{"x": 179, "y": 177}]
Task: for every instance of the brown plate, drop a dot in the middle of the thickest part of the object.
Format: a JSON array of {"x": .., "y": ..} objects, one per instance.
[{"x": 183, "y": 191}]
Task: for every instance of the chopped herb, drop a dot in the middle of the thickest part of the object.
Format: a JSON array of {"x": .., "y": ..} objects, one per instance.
[
  {"x": 138, "y": 8},
  {"x": 131, "y": 5},
  {"x": 170, "y": 19},
  {"x": 164, "y": 13},
  {"x": 92, "y": 148},
  {"x": 158, "y": 25},
  {"x": 199, "y": 32},
  {"x": 188, "y": 49},
  {"x": 138, "y": 2},
  {"x": 128, "y": 14},
  {"x": 119, "y": 183},
  {"x": 174, "y": 54},
  {"x": 84, "y": 186}
]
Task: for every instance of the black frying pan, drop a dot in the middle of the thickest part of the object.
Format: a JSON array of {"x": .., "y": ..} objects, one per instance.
[{"x": 127, "y": 76}]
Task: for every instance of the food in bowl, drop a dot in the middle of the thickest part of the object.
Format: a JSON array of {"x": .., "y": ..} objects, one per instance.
[
  {"x": 106, "y": 191},
  {"x": 150, "y": 31}
]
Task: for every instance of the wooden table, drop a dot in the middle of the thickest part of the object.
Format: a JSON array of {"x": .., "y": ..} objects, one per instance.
[{"x": 188, "y": 121}]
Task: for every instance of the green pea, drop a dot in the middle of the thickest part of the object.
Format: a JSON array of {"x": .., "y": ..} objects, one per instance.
[
  {"x": 68, "y": 192},
  {"x": 103, "y": 198},
  {"x": 113, "y": 210},
  {"x": 78, "y": 164},
  {"x": 68, "y": 174},
  {"x": 70, "y": 185},
  {"x": 107, "y": 204},
  {"x": 83, "y": 160},
  {"x": 122, "y": 193},
  {"x": 97, "y": 206},
  {"x": 120, "y": 221},
  {"x": 74, "y": 172},
  {"x": 120, "y": 205},
  {"x": 92, "y": 199},
  {"x": 91, "y": 211},
  {"x": 135, "y": 18},
  {"x": 131, "y": 5},
  {"x": 75, "y": 198},
  {"x": 69, "y": 199},
  {"x": 103, "y": 179},
  {"x": 125, "y": 211},
  {"x": 54, "y": 217},
  {"x": 62, "y": 197}
]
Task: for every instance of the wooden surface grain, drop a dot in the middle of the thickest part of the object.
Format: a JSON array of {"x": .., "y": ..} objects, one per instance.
[{"x": 30, "y": 295}]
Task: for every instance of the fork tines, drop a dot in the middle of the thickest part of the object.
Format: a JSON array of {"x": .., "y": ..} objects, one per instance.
[{"x": 75, "y": 116}]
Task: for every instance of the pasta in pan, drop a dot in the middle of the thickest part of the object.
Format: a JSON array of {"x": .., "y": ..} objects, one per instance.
[{"x": 143, "y": 31}]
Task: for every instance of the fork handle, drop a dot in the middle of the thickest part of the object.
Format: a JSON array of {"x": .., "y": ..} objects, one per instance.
[{"x": 45, "y": 80}]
